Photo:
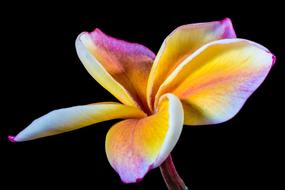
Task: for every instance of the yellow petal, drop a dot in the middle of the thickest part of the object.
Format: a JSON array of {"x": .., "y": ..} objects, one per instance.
[
  {"x": 135, "y": 146},
  {"x": 120, "y": 67},
  {"x": 180, "y": 44},
  {"x": 68, "y": 119},
  {"x": 215, "y": 81}
]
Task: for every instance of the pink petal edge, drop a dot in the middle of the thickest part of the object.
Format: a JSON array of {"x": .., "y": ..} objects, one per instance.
[
  {"x": 139, "y": 179},
  {"x": 11, "y": 138},
  {"x": 273, "y": 59},
  {"x": 229, "y": 29},
  {"x": 99, "y": 37}
]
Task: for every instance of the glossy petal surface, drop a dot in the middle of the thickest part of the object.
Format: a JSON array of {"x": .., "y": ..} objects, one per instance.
[
  {"x": 135, "y": 146},
  {"x": 215, "y": 81},
  {"x": 68, "y": 119},
  {"x": 120, "y": 67},
  {"x": 181, "y": 43}
]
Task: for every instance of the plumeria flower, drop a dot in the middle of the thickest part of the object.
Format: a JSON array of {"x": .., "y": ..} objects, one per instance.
[{"x": 201, "y": 75}]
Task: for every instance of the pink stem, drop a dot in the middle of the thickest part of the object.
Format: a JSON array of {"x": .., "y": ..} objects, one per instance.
[{"x": 171, "y": 177}]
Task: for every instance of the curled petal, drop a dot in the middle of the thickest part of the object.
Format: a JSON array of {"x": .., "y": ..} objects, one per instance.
[
  {"x": 135, "y": 146},
  {"x": 68, "y": 119},
  {"x": 181, "y": 43},
  {"x": 120, "y": 67},
  {"x": 215, "y": 81}
]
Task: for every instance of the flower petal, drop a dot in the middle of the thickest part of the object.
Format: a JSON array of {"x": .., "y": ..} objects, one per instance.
[
  {"x": 182, "y": 42},
  {"x": 215, "y": 81},
  {"x": 68, "y": 119},
  {"x": 120, "y": 67},
  {"x": 135, "y": 146}
]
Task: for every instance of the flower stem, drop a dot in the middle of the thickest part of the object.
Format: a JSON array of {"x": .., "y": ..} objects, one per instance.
[{"x": 171, "y": 177}]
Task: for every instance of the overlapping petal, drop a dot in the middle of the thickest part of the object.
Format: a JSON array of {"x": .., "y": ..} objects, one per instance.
[
  {"x": 215, "y": 81},
  {"x": 135, "y": 146},
  {"x": 181, "y": 43},
  {"x": 120, "y": 67},
  {"x": 68, "y": 119}
]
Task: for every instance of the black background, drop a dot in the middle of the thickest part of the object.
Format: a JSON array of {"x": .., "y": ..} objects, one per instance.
[{"x": 41, "y": 72}]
